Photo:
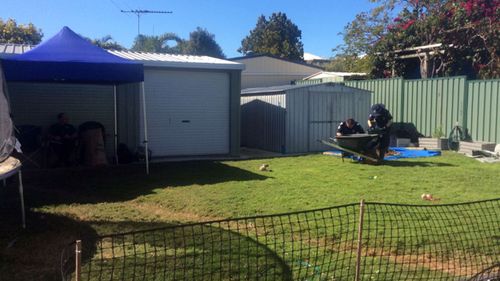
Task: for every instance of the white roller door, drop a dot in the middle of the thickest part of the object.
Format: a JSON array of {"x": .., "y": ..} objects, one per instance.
[{"x": 187, "y": 112}]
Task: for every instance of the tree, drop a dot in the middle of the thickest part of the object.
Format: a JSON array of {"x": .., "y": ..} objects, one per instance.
[
  {"x": 11, "y": 32},
  {"x": 107, "y": 43},
  {"x": 350, "y": 63},
  {"x": 366, "y": 29},
  {"x": 473, "y": 33},
  {"x": 278, "y": 36},
  {"x": 146, "y": 43},
  {"x": 202, "y": 43},
  {"x": 158, "y": 44},
  {"x": 381, "y": 33},
  {"x": 464, "y": 34}
]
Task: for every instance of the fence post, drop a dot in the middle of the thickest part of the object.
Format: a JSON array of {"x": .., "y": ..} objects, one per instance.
[
  {"x": 78, "y": 260},
  {"x": 402, "y": 105},
  {"x": 465, "y": 105},
  {"x": 360, "y": 236}
]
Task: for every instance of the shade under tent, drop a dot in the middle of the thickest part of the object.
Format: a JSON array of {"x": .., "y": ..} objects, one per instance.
[
  {"x": 69, "y": 58},
  {"x": 9, "y": 166}
]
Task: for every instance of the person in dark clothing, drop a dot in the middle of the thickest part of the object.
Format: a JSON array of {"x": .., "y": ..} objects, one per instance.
[
  {"x": 379, "y": 122},
  {"x": 349, "y": 127},
  {"x": 63, "y": 137}
]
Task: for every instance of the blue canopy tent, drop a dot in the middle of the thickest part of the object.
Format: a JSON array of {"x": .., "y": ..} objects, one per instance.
[{"x": 69, "y": 58}]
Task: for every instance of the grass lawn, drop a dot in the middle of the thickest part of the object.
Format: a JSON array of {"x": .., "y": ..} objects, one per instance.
[{"x": 70, "y": 204}]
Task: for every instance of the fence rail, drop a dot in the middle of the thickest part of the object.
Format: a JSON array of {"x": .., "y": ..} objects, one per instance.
[{"x": 397, "y": 242}]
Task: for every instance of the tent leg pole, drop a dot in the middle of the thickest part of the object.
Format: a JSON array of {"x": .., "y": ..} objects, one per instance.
[
  {"x": 21, "y": 194},
  {"x": 146, "y": 152},
  {"x": 116, "y": 125},
  {"x": 78, "y": 260}
]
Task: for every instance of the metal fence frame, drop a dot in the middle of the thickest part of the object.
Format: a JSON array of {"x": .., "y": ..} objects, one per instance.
[{"x": 366, "y": 241}]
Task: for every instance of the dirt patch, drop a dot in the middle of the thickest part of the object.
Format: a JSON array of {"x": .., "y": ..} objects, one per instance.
[{"x": 457, "y": 265}]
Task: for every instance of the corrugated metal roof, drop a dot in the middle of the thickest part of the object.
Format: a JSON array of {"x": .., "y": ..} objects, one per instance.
[
  {"x": 148, "y": 59},
  {"x": 10, "y": 49},
  {"x": 283, "y": 88},
  {"x": 300, "y": 62},
  {"x": 184, "y": 61},
  {"x": 327, "y": 74},
  {"x": 273, "y": 89},
  {"x": 309, "y": 57}
]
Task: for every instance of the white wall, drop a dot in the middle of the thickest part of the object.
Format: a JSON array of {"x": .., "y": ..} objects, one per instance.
[{"x": 266, "y": 71}]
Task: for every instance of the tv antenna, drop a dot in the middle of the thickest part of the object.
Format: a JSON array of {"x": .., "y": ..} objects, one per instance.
[{"x": 138, "y": 13}]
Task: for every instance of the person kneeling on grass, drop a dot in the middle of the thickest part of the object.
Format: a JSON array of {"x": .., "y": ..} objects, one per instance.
[{"x": 349, "y": 127}]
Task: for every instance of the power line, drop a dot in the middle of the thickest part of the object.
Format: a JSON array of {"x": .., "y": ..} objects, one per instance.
[
  {"x": 138, "y": 13},
  {"x": 114, "y": 3}
]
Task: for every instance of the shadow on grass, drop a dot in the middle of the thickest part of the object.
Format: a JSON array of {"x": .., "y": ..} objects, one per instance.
[
  {"x": 192, "y": 252},
  {"x": 121, "y": 183},
  {"x": 197, "y": 252},
  {"x": 34, "y": 253}
]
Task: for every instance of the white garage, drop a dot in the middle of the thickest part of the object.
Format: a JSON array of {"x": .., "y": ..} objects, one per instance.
[
  {"x": 190, "y": 103},
  {"x": 188, "y": 112}
]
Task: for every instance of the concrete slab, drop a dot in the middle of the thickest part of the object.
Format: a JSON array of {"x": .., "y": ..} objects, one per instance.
[{"x": 254, "y": 153}]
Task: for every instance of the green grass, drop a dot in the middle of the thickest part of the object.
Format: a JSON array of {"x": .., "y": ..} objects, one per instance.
[{"x": 65, "y": 205}]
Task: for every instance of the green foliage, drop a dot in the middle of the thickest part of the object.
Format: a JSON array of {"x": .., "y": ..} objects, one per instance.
[
  {"x": 467, "y": 29},
  {"x": 277, "y": 36},
  {"x": 474, "y": 32},
  {"x": 202, "y": 43},
  {"x": 11, "y": 32},
  {"x": 360, "y": 34},
  {"x": 350, "y": 63},
  {"x": 146, "y": 43},
  {"x": 107, "y": 43},
  {"x": 438, "y": 133},
  {"x": 158, "y": 44}
]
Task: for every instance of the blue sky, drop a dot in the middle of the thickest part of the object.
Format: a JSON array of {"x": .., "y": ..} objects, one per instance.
[{"x": 230, "y": 21}]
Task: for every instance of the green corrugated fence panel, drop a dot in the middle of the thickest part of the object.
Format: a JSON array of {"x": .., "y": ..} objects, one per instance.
[
  {"x": 386, "y": 91},
  {"x": 319, "y": 81},
  {"x": 433, "y": 104},
  {"x": 309, "y": 82},
  {"x": 483, "y": 110},
  {"x": 441, "y": 103}
]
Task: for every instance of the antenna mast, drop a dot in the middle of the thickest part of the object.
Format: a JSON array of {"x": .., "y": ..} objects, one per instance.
[{"x": 138, "y": 13}]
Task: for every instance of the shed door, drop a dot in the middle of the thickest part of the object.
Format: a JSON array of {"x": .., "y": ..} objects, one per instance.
[
  {"x": 187, "y": 111},
  {"x": 326, "y": 111}
]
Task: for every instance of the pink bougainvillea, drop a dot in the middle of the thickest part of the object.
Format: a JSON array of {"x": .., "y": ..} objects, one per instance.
[
  {"x": 407, "y": 24},
  {"x": 481, "y": 8}
]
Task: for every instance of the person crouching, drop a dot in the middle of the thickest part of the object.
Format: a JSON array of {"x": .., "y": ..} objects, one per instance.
[
  {"x": 379, "y": 122},
  {"x": 349, "y": 127}
]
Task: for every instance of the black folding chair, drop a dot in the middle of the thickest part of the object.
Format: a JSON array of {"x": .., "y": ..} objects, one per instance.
[{"x": 30, "y": 137}]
